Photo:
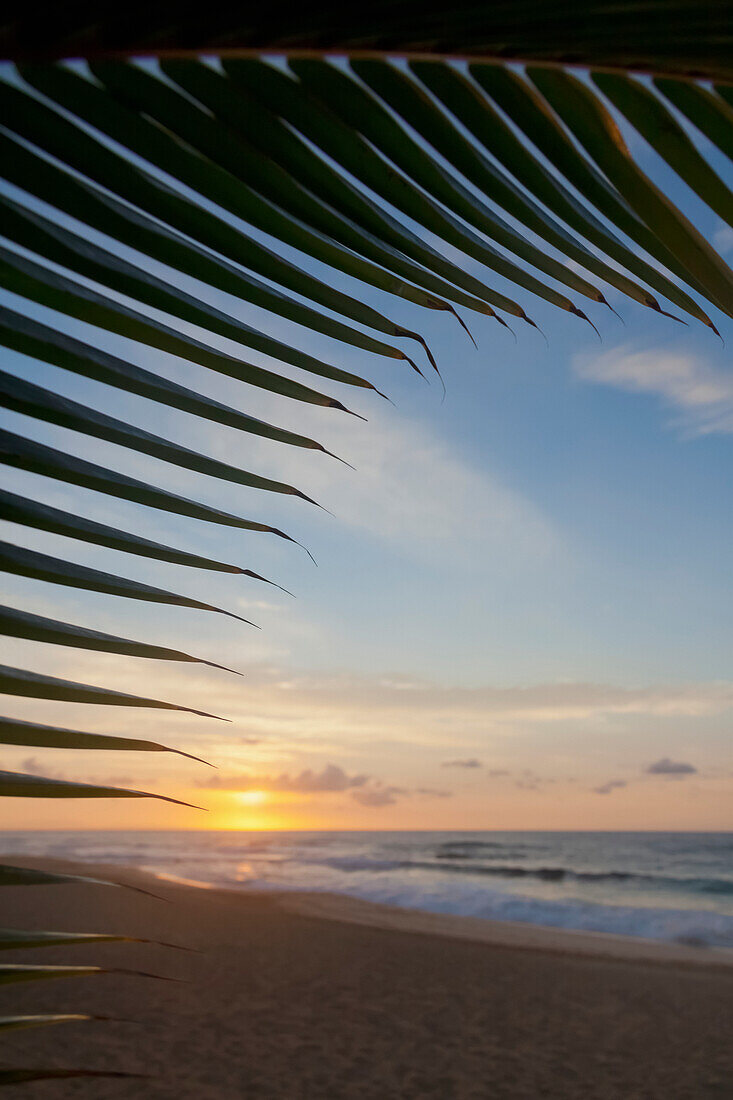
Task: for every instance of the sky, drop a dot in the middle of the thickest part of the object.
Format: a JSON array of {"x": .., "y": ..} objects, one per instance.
[{"x": 521, "y": 612}]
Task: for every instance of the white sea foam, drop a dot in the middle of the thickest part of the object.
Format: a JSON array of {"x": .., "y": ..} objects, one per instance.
[{"x": 674, "y": 887}]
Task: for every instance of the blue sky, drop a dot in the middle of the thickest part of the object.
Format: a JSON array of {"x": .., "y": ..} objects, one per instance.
[{"x": 534, "y": 573}]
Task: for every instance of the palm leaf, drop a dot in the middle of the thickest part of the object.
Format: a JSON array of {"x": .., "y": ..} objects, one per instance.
[
  {"x": 31, "y": 513},
  {"x": 320, "y": 123},
  {"x": 35, "y": 401},
  {"x": 50, "y": 131},
  {"x": 10, "y": 875},
  {"x": 654, "y": 122},
  {"x": 19, "y": 785},
  {"x": 137, "y": 133},
  {"x": 418, "y": 110},
  {"x": 21, "y": 1076},
  {"x": 590, "y": 123},
  {"x": 228, "y": 148},
  {"x": 44, "y": 567},
  {"x": 707, "y": 110},
  {"x": 474, "y": 110},
  {"x": 10, "y": 973},
  {"x": 532, "y": 115},
  {"x": 264, "y": 129},
  {"x": 15, "y": 938},
  {"x": 33, "y": 685},
  {"x": 26, "y": 454},
  {"x": 31, "y": 172},
  {"x": 14, "y": 731},
  {"x": 32, "y": 231},
  {"x": 695, "y": 42},
  {"x": 15, "y": 1023},
  {"x": 38, "y": 628},
  {"x": 357, "y": 109},
  {"x": 34, "y": 339}
]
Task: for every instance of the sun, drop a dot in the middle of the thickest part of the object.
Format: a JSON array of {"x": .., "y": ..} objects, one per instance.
[{"x": 252, "y": 798}]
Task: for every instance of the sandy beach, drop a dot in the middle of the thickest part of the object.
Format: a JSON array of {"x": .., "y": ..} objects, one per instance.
[{"x": 318, "y": 997}]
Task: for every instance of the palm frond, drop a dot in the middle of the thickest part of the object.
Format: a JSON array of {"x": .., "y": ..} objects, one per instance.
[
  {"x": 37, "y": 628},
  {"x": 15, "y": 731},
  {"x": 31, "y": 513},
  {"x": 12, "y": 939},
  {"x": 440, "y": 185},
  {"x": 682, "y": 37},
  {"x": 20, "y": 785},
  {"x": 26, "y": 454},
  {"x": 16, "y": 1023},
  {"x": 44, "y": 567},
  {"x": 10, "y": 875},
  {"x": 10, "y": 973},
  {"x": 33, "y": 685},
  {"x": 704, "y": 107}
]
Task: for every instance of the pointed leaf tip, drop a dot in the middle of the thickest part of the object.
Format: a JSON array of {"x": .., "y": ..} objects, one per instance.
[
  {"x": 463, "y": 325},
  {"x": 338, "y": 458},
  {"x": 413, "y": 364},
  {"x": 584, "y": 317},
  {"x": 213, "y": 664}
]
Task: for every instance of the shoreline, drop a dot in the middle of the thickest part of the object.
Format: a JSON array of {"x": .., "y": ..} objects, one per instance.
[
  {"x": 331, "y": 906},
  {"x": 289, "y": 996},
  {"x": 521, "y": 935}
]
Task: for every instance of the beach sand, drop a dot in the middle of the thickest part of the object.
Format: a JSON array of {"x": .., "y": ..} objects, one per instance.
[{"x": 316, "y": 997}]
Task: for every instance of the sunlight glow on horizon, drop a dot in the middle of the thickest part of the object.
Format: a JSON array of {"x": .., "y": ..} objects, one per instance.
[{"x": 253, "y": 798}]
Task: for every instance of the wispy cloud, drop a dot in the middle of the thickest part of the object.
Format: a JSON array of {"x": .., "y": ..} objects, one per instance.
[
  {"x": 611, "y": 785},
  {"x": 471, "y": 762},
  {"x": 665, "y": 766},
  {"x": 411, "y": 489},
  {"x": 381, "y": 794},
  {"x": 326, "y": 736},
  {"x": 378, "y": 795},
  {"x": 33, "y": 766},
  {"x": 281, "y": 706},
  {"x": 331, "y": 778},
  {"x": 700, "y": 393}
]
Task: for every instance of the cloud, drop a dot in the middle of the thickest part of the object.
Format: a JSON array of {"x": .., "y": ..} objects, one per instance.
[
  {"x": 281, "y": 706},
  {"x": 32, "y": 766},
  {"x": 470, "y": 763},
  {"x": 665, "y": 766},
  {"x": 383, "y": 794},
  {"x": 612, "y": 785},
  {"x": 331, "y": 778},
  {"x": 496, "y": 772},
  {"x": 312, "y": 718},
  {"x": 391, "y": 499},
  {"x": 378, "y": 795},
  {"x": 701, "y": 393}
]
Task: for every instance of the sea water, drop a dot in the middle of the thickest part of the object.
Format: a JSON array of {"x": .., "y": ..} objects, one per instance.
[{"x": 665, "y": 886}]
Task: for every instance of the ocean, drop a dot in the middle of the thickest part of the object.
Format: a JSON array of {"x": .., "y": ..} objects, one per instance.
[{"x": 663, "y": 886}]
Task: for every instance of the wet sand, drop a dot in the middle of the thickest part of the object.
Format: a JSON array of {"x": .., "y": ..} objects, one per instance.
[{"x": 318, "y": 997}]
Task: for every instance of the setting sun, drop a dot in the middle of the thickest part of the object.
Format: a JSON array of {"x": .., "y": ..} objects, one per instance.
[{"x": 252, "y": 798}]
